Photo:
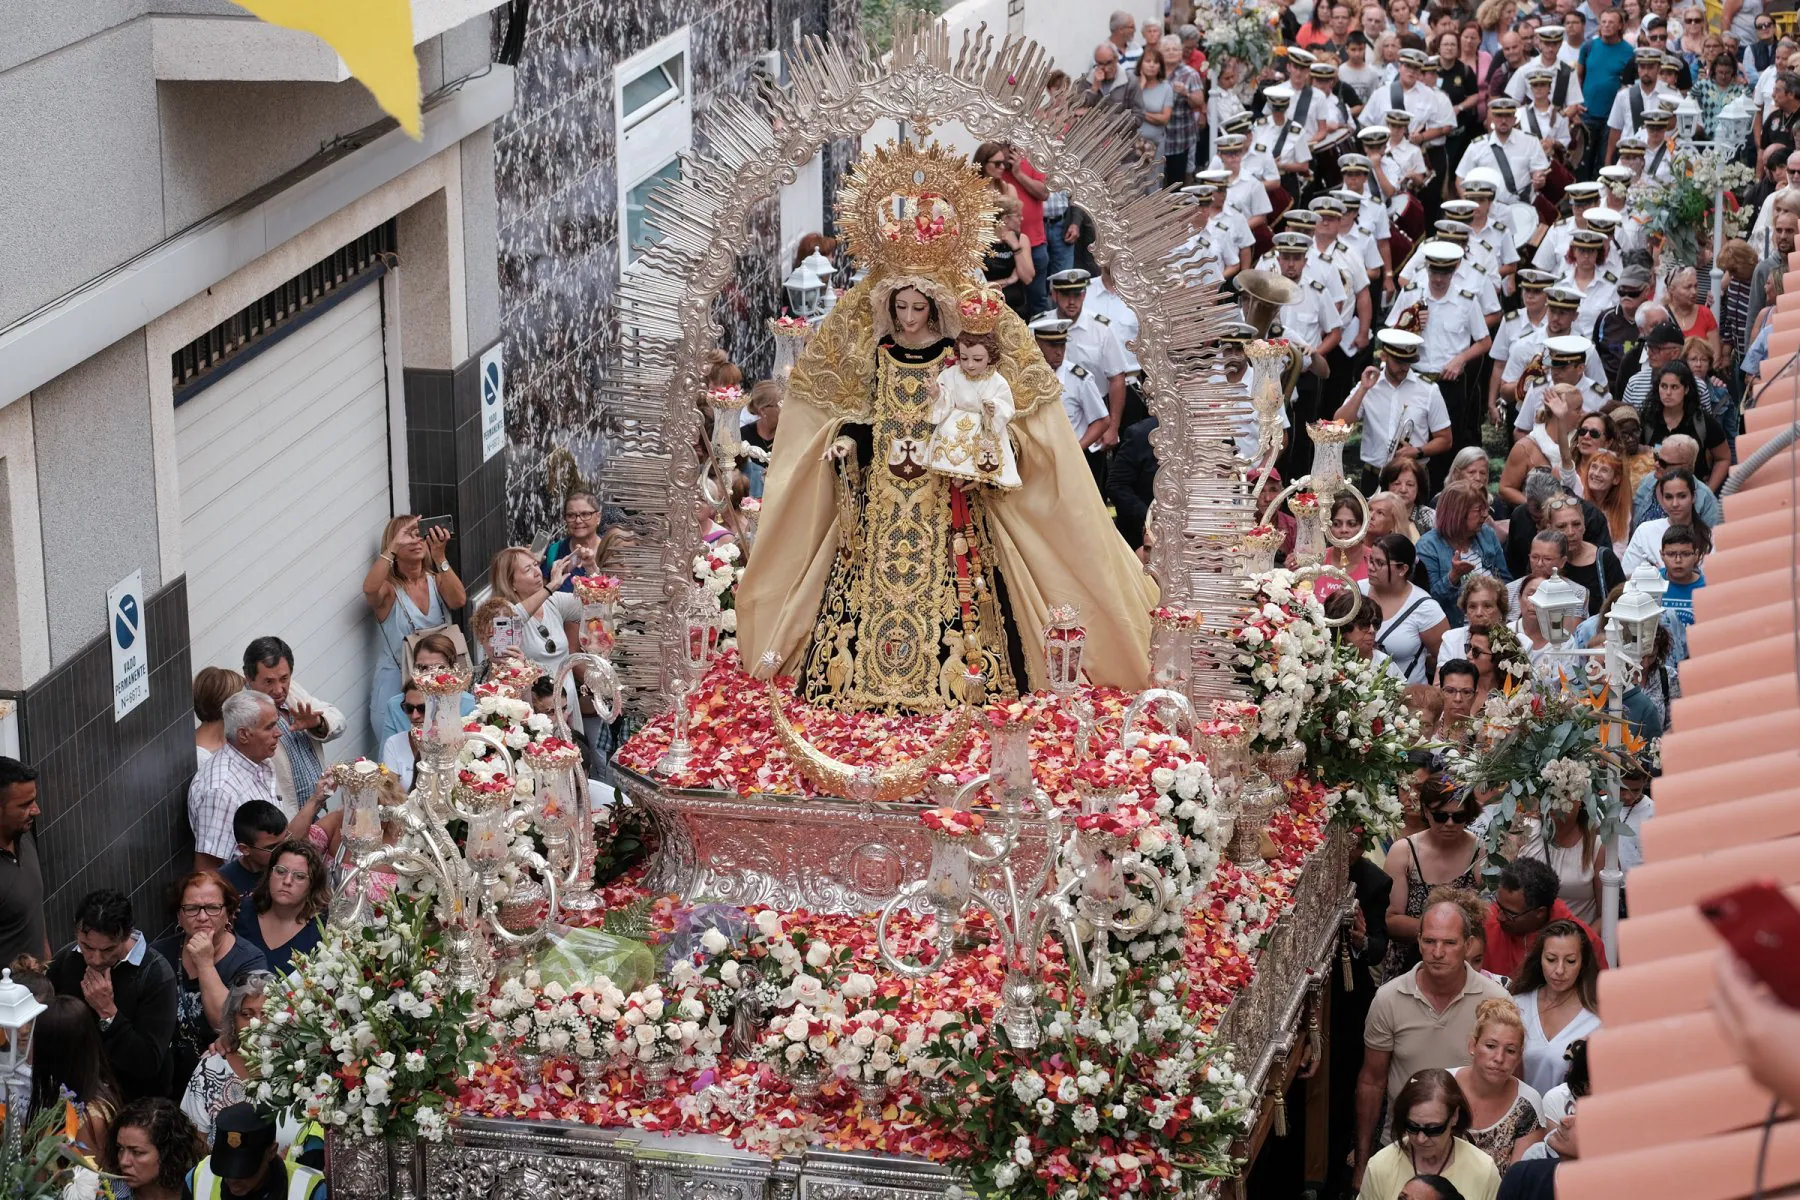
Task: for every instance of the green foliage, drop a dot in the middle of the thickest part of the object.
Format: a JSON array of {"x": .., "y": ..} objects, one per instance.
[{"x": 881, "y": 17}]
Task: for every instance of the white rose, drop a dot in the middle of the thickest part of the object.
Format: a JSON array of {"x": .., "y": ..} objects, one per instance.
[
  {"x": 646, "y": 1035},
  {"x": 768, "y": 922},
  {"x": 796, "y": 1052},
  {"x": 729, "y": 972},
  {"x": 714, "y": 942},
  {"x": 808, "y": 991},
  {"x": 859, "y": 985},
  {"x": 818, "y": 953}
]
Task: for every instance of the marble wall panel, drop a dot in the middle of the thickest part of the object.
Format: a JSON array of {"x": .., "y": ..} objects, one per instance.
[{"x": 557, "y": 191}]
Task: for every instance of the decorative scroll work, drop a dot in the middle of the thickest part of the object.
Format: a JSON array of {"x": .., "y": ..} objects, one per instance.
[{"x": 996, "y": 92}]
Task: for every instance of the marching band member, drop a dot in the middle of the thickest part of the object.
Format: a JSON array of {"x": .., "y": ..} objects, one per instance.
[
  {"x": 1279, "y": 143},
  {"x": 1553, "y": 244},
  {"x": 1541, "y": 118},
  {"x": 1589, "y": 275},
  {"x": 1329, "y": 246},
  {"x": 1490, "y": 230},
  {"x": 1233, "y": 361},
  {"x": 1450, "y": 321},
  {"x": 1565, "y": 364},
  {"x": 1526, "y": 320},
  {"x": 1525, "y": 356},
  {"x": 1326, "y": 113},
  {"x": 1562, "y": 75},
  {"x": 1633, "y": 102},
  {"x": 1316, "y": 270},
  {"x": 1257, "y": 160},
  {"x": 1659, "y": 163},
  {"x": 1245, "y": 193},
  {"x": 1369, "y": 216},
  {"x": 1631, "y": 155},
  {"x": 1399, "y": 165},
  {"x": 1108, "y": 309},
  {"x": 1470, "y": 276},
  {"x": 1311, "y": 323},
  {"x": 1357, "y": 240},
  {"x": 1615, "y": 183},
  {"x": 1092, "y": 344},
  {"x": 1430, "y": 119},
  {"x": 1083, "y": 399},
  {"x": 1519, "y": 159},
  {"x": 1403, "y": 415}
]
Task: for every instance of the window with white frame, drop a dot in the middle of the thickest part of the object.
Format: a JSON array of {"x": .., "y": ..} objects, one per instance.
[{"x": 653, "y": 97}]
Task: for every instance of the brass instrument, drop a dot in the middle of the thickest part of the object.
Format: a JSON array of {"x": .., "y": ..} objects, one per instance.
[{"x": 1261, "y": 295}]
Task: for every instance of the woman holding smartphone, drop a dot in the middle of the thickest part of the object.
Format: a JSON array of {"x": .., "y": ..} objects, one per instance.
[{"x": 410, "y": 587}]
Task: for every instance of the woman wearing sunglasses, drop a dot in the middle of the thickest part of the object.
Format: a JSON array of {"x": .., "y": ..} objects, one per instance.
[
  {"x": 400, "y": 752},
  {"x": 1430, "y": 1117},
  {"x": 1446, "y": 854}
]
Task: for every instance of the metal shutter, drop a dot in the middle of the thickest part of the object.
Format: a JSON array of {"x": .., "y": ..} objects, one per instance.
[{"x": 284, "y": 471}]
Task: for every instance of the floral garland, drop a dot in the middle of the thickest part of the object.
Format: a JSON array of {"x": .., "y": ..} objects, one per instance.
[
  {"x": 364, "y": 1034},
  {"x": 717, "y": 570},
  {"x": 1357, "y": 735},
  {"x": 1286, "y": 650}
]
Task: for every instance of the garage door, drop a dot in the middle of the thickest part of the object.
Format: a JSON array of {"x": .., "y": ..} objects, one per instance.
[{"x": 284, "y": 492}]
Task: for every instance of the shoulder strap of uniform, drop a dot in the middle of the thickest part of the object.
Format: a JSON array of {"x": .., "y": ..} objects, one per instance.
[{"x": 1078, "y": 371}]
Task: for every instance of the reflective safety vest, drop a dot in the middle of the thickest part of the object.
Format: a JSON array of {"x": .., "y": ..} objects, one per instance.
[{"x": 304, "y": 1183}]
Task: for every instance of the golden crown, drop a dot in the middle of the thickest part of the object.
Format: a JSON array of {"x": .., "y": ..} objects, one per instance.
[
  {"x": 907, "y": 208},
  {"x": 980, "y": 308}
]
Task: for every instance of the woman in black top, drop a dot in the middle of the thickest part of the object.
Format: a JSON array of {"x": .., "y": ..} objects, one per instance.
[
  {"x": 1675, "y": 407},
  {"x": 1008, "y": 265},
  {"x": 1459, "y": 83}
]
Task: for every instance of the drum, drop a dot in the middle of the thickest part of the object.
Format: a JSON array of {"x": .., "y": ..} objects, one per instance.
[
  {"x": 1410, "y": 217},
  {"x": 1526, "y": 218},
  {"x": 1326, "y": 172}
]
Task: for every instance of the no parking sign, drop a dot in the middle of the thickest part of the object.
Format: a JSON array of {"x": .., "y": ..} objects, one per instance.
[{"x": 130, "y": 644}]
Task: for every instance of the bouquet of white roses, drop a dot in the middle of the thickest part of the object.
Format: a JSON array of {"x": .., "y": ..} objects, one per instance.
[
  {"x": 868, "y": 1048},
  {"x": 1357, "y": 734},
  {"x": 1285, "y": 649},
  {"x": 365, "y": 1035},
  {"x": 718, "y": 570},
  {"x": 652, "y": 1026}
]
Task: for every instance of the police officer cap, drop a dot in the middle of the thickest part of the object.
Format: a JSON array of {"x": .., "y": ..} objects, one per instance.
[
  {"x": 1566, "y": 351},
  {"x": 1299, "y": 57},
  {"x": 1662, "y": 118},
  {"x": 1323, "y": 70},
  {"x": 1588, "y": 239},
  {"x": 1397, "y": 116},
  {"x": 1301, "y": 218},
  {"x": 1280, "y": 96},
  {"x": 1217, "y": 176},
  {"x": 1474, "y": 190},
  {"x": 1327, "y": 204},
  {"x": 241, "y": 1141},
  {"x": 1604, "y": 219},
  {"x": 1563, "y": 297},
  {"x": 1072, "y": 280},
  {"x": 1355, "y": 162},
  {"x": 1460, "y": 210},
  {"x": 1585, "y": 189},
  {"x": 1442, "y": 255},
  {"x": 1051, "y": 329},
  {"x": 1550, "y": 33},
  {"x": 1292, "y": 243},
  {"x": 1540, "y": 76},
  {"x": 1414, "y": 57},
  {"x": 1232, "y": 143},
  {"x": 1612, "y": 173},
  {"x": 1239, "y": 123},
  {"x": 1535, "y": 281},
  {"x": 1502, "y": 106},
  {"x": 1452, "y": 231},
  {"x": 1398, "y": 343}
]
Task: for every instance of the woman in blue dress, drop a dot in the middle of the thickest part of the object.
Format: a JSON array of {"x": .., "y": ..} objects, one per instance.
[{"x": 410, "y": 587}]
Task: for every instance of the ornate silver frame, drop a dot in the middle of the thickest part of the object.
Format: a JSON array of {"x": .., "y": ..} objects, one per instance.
[{"x": 996, "y": 92}]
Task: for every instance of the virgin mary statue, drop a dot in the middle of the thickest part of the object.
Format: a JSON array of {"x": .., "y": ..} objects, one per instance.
[{"x": 876, "y": 579}]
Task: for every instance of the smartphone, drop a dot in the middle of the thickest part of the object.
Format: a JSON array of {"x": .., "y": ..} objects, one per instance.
[
  {"x": 447, "y": 523},
  {"x": 539, "y": 544},
  {"x": 1762, "y": 927}
]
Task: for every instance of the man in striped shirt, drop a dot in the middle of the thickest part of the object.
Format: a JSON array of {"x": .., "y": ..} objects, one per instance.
[
  {"x": 1662, "y": 346},
  {"x": 242, "y": 771}
]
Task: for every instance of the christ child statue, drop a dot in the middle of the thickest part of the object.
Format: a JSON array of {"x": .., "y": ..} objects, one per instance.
[{"x": 972, "y": 409}]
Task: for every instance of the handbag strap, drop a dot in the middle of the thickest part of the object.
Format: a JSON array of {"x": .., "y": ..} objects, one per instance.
[{"x": 1381, "y": 642}]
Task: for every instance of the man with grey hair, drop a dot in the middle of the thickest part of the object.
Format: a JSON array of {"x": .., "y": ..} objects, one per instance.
[
  {"x": 1677, "y": 450},
  {"x": 1103, "y": 78},
  {"x": 242, "y": 771},
  {"x": 1121, "y": 31}
]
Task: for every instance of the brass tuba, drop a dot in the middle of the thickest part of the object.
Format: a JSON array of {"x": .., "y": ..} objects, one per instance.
[{"x": 1261, "y": 295}]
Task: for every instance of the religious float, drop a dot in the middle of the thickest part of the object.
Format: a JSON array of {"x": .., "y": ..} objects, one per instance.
[{"x": 985, "y": 857}]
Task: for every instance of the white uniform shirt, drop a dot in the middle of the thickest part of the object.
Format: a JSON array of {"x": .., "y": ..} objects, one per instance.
[
  {"x": 1528, "y": 343},
  {"x": 1571, "y": 54},
  {"x": 1544, "y": 123},
  {"x": 1553, "y": 252},
  {"x": 1361, "y": 243},
  {"x": 1247, "y": 195},
  {"x": 1322, "y": 107},
  {"x": 1513, "y": 326},
  {"x": 1412, "y": 406},
  {"x": 1659, "y": 161},
  {"x": 1518, "y": 85},
  {"x": 1523, "y": 155},
  {"x": 1094, "y": 345},
  {"x": 1596, "y": 297},
  {"x": 1401, "y": 162},
  {"x": 1594, "y": 398},
  {"x": 1108, "y": 310},
  {"x": 1492, "y": 247},
  {"x": 1427, "y": 107},
  {"x": 1307, "y": 320},
  {"x": 1453, "y": 323},
  {"x": 1621, "y": 118},
  {"x": 1356, "y": 280},
  {"x": 1470, "y": 276},
  {"x": 1372, "y": 214},
  {"x": 1083, "y": 399}
]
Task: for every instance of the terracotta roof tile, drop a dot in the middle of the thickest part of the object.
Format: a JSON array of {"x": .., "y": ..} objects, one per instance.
[{"x": 1673, "y": 1113}]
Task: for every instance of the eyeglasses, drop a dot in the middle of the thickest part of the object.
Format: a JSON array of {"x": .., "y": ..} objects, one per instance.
[
  {"x": 415, "y": 709},
  {"x": 1507, "y": 914},
  {"x": 1559, "y": 505},
  {"x": 1690, "y": 20},
  {"x": 580, "y": 516},
  {"x": 304, "y": 873},
  {"x": 1479, "y": 652},
  {"x": 1427, "y": 1130},
  {"x": 1662, "y": 463},
  {"x": 195, "y": 910},
  {"x": 1451, "y": 816},
  {"x": 1765, "y": 25}
]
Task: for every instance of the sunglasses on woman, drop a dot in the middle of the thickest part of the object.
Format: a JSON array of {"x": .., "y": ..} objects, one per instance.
[
  {"x": 417, "y": 710},
  {"x": 1590, "y": 433},
  {"x": 1427, "y": 1130},
  {"x": 1450, "y": 816}
]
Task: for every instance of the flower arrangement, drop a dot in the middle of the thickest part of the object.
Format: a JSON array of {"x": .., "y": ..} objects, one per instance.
[
  {"x": 512, "y": 677},
  {"x": 789, "y": 326},
  {"x": 443, "y": 682},
  {"x": 596, "y": 589},
  {"x": 1286, "y": 650},
  {"x": 1548, "y": 752},
  {"x": 1357, "y": 733},
  {"x": 364, "y": 1035},
  {"x": 717, "y": 570},
  {"x": 509, "y": 718},
  {"x": 1176, "y": 617},
  {"x": 1678, "y": 208},
  {"x": 1244, "y": 32}
]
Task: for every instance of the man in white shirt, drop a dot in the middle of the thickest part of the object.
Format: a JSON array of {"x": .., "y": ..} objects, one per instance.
[
  {"x": 1490, "y": 228},
  {"x": 1106, "y": 308},
  {"x": 1448, "y": 319},
  {"x": 1243, "y": 192},
  {"x": 1553, "y": 248},
  {"x": 243, "y": 771},
  {"x": 1518, "y": 158},
  {"x": 1659, "y": 159},
  {"x": 1326, "y": 112},
  {"x": 1278, "y": 146},
  {"x": 1371, "y": 251},
  {"x": 1634, "y": 101},
  {"x": 1412, "y": 94},
  {"x": 1402, "y": 415},
  {"x": 1400, "y": 166},
  {"x": 1574, "y": 34},
  {"x": 1092, "y": 343},
  {"x": 1526, "y": 320},
  {"x": 1312, "y": 323},
  {"x": 1328, "y": 246},
  {"x": 1083, "y": 402},
  {"x": 1470, "y": 275},
  {"x": 1561, "y": 306},
  {"x": 1549, "y": 44},
  {"x": 1566, "y": 362}
]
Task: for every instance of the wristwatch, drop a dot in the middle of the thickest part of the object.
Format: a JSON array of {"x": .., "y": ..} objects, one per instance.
[{"x": 106, "y": 1022}]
